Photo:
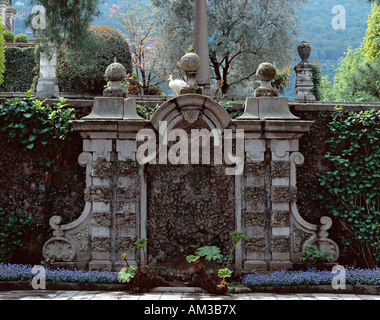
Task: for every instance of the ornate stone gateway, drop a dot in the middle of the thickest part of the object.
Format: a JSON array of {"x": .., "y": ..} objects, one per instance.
[{"x": 123, "y": 197}]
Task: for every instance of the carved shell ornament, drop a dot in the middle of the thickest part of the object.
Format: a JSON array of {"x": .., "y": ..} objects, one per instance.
[{"x": 59, "y": 250}]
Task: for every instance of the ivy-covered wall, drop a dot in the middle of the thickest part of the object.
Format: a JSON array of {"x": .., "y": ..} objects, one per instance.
[{"x": 25, "y": 175}]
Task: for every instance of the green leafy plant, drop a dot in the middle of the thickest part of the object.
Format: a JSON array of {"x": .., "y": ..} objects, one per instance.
[
  {"x": 371, "y": 40},
  {"x": 13, "y": 225},
  {"x": 137, "y": 277},
  {"x": 37, "y": 127},
  {"x": 211, "y": 253},
  {"x": 214, "y": 283},
  {"x": 127, "y": 274},
  {"x": 9, "y": 36},
  {"x": 2, "y": 54},
  {"x": 236, "y": 237},
  {"x": 313, "y": 255},
  {"x": 224, "y": 273},
  {"x": 192, "y": 258},
  {"x": 351, "y": 188},
  {"x": 366, "y": 78},
  {"x": 228, "y": 107},
  {"x": 146, "y": 112},
  {"x": 317, "y": 80},
  {"x": 282, "y": 79},
  {"x": 142, "y": 244}
]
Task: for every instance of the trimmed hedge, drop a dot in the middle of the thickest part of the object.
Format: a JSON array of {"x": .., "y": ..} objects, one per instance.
[
  {"x": 21, "y": 38},
  {"x": 87, "y": 76},
  {"x": 20, "y": 66},
  {"x": 9, "y": 36}
]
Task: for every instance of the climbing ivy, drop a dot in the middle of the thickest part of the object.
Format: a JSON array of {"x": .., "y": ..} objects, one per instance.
[
  {"x": 317, "y": 80},
  {"x": 37, "y": 127},
  {"x": 13, "y": 225},
  {"x": 351, "y": 188}
]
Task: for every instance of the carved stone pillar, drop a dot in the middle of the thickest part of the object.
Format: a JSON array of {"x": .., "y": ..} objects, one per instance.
[{"x": 269, "y": 211}]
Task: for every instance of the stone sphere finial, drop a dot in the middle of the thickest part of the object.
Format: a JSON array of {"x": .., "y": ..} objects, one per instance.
[
  {"x": 304, "y": 50},
  {"x": 115, "y": 73},
  {"x": 190, "y": 64},
  {"x": 266, "y": 73}
]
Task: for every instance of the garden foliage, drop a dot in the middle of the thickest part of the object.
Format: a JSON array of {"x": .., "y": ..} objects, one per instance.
[
  {"x": 9, "y": 36},
  {"x": 351, "y": 189},
  {"x": 21, "y": 38},
  {"x": 372, "y": 39},
  {"x": 83, "y": 71},
  {"x": 313, "y": 255},
  {"x": 2, "y": 55},
  {"x": 13, "y": 225},
  {"x": 20, "y": 64},
  {"x": 37, "y": 127}
]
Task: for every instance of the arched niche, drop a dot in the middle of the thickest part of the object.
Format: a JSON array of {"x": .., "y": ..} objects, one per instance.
[
  {"x": 188, "y": 204},
  {"x": 190, "y": 108}
]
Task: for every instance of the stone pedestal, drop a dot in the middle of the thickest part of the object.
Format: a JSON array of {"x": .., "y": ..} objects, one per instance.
[
  {"x": 47, "y": 87},
  {"x": 304, "y": 74},
  {"x": 304, "y": 82}
]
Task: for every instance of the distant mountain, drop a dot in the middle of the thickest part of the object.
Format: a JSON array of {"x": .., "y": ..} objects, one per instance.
[{"x": 330, "y": 44}]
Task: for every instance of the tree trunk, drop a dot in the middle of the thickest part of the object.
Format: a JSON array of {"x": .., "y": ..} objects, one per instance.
[{"x": 224, "y": 89}]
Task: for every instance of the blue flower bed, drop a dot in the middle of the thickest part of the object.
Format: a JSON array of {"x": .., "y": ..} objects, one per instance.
[
  {"x": 310, "y": 277},
  {"x": 18, "y": 272}
]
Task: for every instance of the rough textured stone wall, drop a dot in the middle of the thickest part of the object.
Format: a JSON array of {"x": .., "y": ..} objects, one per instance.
[{"x": 189, "y": 205}]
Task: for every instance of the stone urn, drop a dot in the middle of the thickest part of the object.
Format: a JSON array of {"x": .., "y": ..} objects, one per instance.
[{"x": 304, "y": 50}]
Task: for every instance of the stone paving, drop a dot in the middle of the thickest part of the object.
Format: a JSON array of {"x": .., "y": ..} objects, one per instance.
[{"x": 97, "y": 295}]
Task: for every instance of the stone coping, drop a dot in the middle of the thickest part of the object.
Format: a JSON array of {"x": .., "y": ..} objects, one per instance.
[
  {"x": 350, "y": 289},
  {"x": 87, "y": 100}
]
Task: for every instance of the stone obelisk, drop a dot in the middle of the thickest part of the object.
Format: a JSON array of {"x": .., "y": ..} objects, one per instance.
[{"x": 201, "y": 46}]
